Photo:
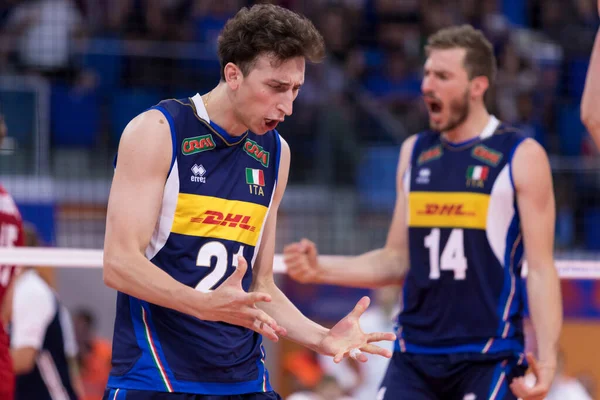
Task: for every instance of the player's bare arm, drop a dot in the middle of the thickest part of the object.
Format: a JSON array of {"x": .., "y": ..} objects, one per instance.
[
  {"x": 535, "y": 197},
  {"x": 381, "y": 267},
  {"x": 336, "y": 342},
  {"x": 23, "y": 359},
  {"x": 135, "y": 199},
  {"x": 591, "y": 93}
]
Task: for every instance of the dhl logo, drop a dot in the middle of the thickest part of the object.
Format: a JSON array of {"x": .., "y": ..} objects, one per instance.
[
  {"x": 255, "y": 151},
  {"x": 445, "y": 209},
  {"x": 211, "y": 217},
  {"x": 487, "y": 155},
  {"x": 448, "y": 210},
  {"x": 197, "y": 144}
]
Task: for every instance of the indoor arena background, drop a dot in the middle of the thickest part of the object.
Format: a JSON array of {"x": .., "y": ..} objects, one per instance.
[{"x": 74, "y": 72}]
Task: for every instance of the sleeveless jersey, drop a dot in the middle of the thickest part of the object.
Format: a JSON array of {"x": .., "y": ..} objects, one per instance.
[
  {"x": 215, "y": 204},
  {"x": 462, "y": 293},
  {"x": 11, "y": 234}
]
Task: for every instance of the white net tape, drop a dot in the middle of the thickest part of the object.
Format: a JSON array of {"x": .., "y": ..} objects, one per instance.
[{"x": 86, "y": 258}]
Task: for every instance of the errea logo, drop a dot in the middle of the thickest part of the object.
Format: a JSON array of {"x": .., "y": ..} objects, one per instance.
[
  {"x": 424, "y": 174},
  {"x": 198, "y": 172}
]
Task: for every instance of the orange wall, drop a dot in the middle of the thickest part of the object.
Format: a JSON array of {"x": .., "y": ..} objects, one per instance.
[{"x": 580, "y": 341}]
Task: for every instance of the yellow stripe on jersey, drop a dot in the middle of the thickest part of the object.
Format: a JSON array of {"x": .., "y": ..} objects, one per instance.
[
  {"x": 213, "y": 217},
  {"x": 448, "y": 210}
]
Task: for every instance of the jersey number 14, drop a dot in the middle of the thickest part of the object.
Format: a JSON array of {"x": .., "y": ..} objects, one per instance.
[{"x": 452, "y": 258}]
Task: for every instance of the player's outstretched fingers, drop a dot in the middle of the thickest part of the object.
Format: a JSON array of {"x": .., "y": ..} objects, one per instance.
[
  {"x": 379, "y": 351},
  {"x": 263, "y": 318},
  {"x": 360, "y": 307},
  {"x": 380, "y": 336},
  {"x": 265, "y": 330},
  {"x": 281, "y": 331}
]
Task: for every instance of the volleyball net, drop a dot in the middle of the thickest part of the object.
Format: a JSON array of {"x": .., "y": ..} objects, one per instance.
[{"x": 93, "y": 258}]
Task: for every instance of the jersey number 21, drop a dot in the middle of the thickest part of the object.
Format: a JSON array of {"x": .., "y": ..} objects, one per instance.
[{"x": 219, "y": 251}]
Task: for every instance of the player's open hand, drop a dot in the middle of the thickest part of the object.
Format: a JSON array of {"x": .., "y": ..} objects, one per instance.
[
  {"x": 544, "y": 375},
  {"x": 301, "y": 261},
  {"x": 347, "y": 336},
  {"x": 230, "y": 303}
]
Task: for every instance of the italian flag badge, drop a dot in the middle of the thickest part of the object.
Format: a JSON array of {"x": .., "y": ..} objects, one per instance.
[
  {"x": 255, "y": 177},
  {"x": 478, "y": 172}
]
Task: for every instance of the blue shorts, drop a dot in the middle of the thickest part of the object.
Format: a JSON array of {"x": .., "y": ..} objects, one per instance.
[
  {"x": 122, "y": 394},
  {"x": 449, "y": 377}
]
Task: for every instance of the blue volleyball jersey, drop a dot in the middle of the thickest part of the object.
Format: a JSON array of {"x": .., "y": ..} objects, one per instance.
[
  {"x": 215, "y": 204},
  {"x": 462, "y": 293}
]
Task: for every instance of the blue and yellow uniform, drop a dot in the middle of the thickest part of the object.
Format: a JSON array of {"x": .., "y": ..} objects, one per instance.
[
  {"x": 460, "y": 333},
  {"x": 215, "y": 204}
]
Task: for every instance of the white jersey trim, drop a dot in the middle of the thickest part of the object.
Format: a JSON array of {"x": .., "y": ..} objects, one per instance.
[
  {"x": 167, "y": 214},
  {"x": 200, "y": 109},
  {"x": 51, "y": 377},
  {"x": 68, "y": 331},
  {"x": 501, "y": 212},
  {"x": 490, "y": 128}
]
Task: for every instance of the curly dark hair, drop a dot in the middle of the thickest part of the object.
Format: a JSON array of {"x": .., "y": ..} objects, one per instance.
[{"x": 268, "y": 29}]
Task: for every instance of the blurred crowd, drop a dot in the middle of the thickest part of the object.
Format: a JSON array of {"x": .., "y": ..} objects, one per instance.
[
  {"x": 376, "y": 45},
  {"x": 107, "y": 60}
]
